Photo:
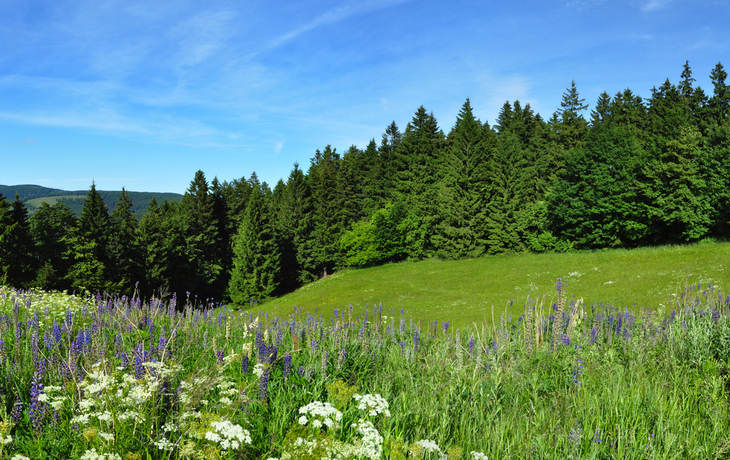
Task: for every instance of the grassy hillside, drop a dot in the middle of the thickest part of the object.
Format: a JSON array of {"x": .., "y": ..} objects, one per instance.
[
  {"x": 465, "y": 291},
  {"x": 34, "y": 195}
]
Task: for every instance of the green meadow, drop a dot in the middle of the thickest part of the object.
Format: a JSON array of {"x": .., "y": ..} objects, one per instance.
[{"x": 465, "y": 291}]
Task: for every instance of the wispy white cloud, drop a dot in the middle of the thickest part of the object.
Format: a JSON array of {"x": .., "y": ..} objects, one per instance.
[
  {"x": 332, "y": 16},
  {"x": 653, "y": 5},
  {"x": 278, "y": 146},
  {"x": 30, "y": 140}
]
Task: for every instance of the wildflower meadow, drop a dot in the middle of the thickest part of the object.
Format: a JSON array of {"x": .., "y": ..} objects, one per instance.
[{"x": 105, "y": 377}]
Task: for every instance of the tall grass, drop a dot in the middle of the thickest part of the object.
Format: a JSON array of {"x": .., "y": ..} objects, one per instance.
[{"x": 121, "y": 378}]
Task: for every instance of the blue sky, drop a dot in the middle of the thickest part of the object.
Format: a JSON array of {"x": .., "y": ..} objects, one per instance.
[{"x": 143, "y": 94}]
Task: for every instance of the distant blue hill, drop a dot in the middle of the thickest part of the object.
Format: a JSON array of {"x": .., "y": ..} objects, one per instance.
[{"x": 34, "y": 195}]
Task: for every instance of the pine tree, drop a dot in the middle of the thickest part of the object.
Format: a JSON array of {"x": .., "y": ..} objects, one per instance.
[
  {"x": 124, "y": 255},
  {"x": 417, "y": 160},
  {"x": 88, "y": 246},
  {"x": 50, "y": 228},
  {"x": 461, "y": 190},
  {"x": 720, "y": 100},
  {"x": 256, "y": 263},
  {"x": 506, "y": 223},
  {"x": 300, "y": 222},
  {"x": 6, "y": 226},
  {"x": 572, "y": 126},
  {"x": 325, "y": 237},
  {"x": 199, "y": 228},
  {"x": 151, "y": 239},
  {"x": 20, "y": 255}
]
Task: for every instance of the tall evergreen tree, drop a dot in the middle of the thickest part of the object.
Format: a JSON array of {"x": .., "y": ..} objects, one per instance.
[
  {"x": 124, "y": 255},
  {"x": 417, "y": 161},
  {"x": 6, "y": 226},
  {"x": 256, "y": 263},
  {"x": 720, "y": 100},
  {"x": 325, "y": 238},
  {"x": 300, "y": 214},
  {"x": 506, "y": 222},
  {"x": 199, "y": 227},
  {"x": 156, "y": 261},
  {"x": 88, "y": 246},
  {"x": 20, "y": 253},
  {"x": 572, "y": 126},
  {"x": 50, "y": 228},
  {"x": 462, "y": 189}
]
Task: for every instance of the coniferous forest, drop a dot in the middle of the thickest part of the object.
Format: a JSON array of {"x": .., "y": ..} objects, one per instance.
[{"x": 629, "y": 172}]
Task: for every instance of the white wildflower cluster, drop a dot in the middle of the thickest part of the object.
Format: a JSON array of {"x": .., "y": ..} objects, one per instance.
[
  {"x": 374, "y": 404},
  {"x": 117, "y": 397},
  {"x": 258, "y": 370},
  {"x": 431, "y": 447},
  {"x": 228, "y": 435},
  {"x": 164, "y": 444},
  {"x": 478, "y": 456},
  {"x": 371, "y": 446},
  {"x": 19, "y": 457},
  {"x": 93, "y": 455},
  {"x": 320, "y": 414}
]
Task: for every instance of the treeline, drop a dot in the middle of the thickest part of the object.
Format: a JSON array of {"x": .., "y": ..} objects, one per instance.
[
  {"x": 32, "y": 195},
  {"x": 632, "y": 172}
]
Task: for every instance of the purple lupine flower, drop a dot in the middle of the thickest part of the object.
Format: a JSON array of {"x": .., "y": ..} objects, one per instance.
[
  {"x": 244, "y": 364},
  {"x": 416, "y": 338},
  {"x": 125, "y": 359},
  {"x": 565, "y": 340},
  {"x": 402, "y": 346},
  {"x": 471, "y": 345},
  {"x": 577, "y": 373},
  {"x": 287, "y": 365},
  {"x": 715, "y": 315},
  {"x": 219, "y": 355},
  {"x": 138, "y": 360},
  {"x": 36, "y": 409},
  {"x": 594, "y": 332},
  {"x": 618, "y": 325},
  {"x": 263, "y": 384},
  {"x": 494, "y": 346},
  {"x": 17, "y": 412},
  {"x": 56, "y": 332},
  {"x": 559, "y": 287},
  {"x": 300, "y": 371}
]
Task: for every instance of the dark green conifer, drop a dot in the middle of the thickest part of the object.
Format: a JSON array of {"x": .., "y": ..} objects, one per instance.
[{"x": 256, "y": 263}]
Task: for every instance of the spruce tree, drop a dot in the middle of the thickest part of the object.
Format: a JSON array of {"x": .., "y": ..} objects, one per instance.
[
  {"x": 256, "y": 263},
  {"x": 461, "y": 190},
  {"x": 417, "y": 160},
  {"x": 506, "y": 221},
  {"x": 50, "y": 228},
  {"x": 88, "y": 246},
  {"x": 325, "y": 238},
  {"x": 6, "y": 226},
  {"x": 300, "y": 212},
  {"x": 572, "y": 126},
  {"x": 20, "y": 255},
  {"x": 199, "y": 227},
  {"x": 124, "y": 255}
]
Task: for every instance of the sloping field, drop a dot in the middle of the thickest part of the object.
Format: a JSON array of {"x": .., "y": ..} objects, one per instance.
[{"x": 465, "y": 291}]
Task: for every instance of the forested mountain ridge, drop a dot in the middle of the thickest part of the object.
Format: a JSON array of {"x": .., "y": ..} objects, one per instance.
[
  {"x": 631, "y": 172},
  {"x": 34, "y": 195}
]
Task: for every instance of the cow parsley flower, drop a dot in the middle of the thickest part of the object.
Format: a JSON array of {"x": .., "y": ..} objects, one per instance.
[{"x": 374, "y": 404}]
